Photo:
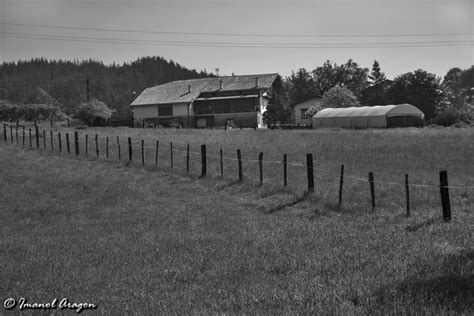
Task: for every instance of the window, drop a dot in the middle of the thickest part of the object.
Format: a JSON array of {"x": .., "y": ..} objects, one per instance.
[
  {"x": 166, "y": 110},
  {"x": 303, "y": 114}
]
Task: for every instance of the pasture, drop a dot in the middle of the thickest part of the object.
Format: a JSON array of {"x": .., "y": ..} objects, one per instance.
[{"x": 152, "y": 239}]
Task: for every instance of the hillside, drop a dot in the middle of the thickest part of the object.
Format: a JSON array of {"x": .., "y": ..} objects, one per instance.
[{"x": 65, "y": 80}]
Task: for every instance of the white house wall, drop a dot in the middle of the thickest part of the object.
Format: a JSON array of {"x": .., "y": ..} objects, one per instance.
[
  {"x": 308, "y": 104},
  {"x": 145, "y": 111},
  {"x": 151, "y": 111}
]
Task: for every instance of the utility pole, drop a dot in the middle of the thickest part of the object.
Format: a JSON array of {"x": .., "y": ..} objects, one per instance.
[{"x": 87, "y": 89}]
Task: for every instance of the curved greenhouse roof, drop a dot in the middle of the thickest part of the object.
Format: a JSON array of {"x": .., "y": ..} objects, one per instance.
[
  {"x": 401, "y": 115},
  {"x": 388, "y": 110}
]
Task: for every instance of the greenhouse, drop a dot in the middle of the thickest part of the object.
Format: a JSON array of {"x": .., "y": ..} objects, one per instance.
[{"x": 379, "y": 116}]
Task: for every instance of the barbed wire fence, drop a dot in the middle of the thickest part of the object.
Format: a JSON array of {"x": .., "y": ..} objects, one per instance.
[{"x": 217, "y": 163}]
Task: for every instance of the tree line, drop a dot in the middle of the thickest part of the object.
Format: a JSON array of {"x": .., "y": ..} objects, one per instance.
[
  {"x": 70, "y": 85},
  {"x": 66, "y": 81},
  {"x": 444, "y": 101}
]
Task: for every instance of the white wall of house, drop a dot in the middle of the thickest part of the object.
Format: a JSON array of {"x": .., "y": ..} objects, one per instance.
[
  {"x": 301, "y": 108},
  {"x": 151, "y": 111},
  {"x": 145, "y": 111},
  {"x": 181, "y": 109},
  {"x": 263, "y": 109}
]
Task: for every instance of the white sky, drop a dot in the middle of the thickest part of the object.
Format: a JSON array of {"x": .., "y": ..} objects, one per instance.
[{"x": 275, "y": 17}]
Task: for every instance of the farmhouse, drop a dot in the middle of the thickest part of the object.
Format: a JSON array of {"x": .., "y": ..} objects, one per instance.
[
  {"x": 207, "y": 102},
  {"x": 379, "y": 116},
  {"x": 300, "y": 110}
]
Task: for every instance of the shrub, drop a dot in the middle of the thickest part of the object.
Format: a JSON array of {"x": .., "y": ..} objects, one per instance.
[
  {"x": 451, "y": 115},
  {"x": 29, "y": 112},
  {"x": 339, "y": 97},
  {"x": 94, "y": 112}
]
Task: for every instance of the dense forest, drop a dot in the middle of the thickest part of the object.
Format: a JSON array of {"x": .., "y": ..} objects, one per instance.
[{"x": 66, "y": 81}]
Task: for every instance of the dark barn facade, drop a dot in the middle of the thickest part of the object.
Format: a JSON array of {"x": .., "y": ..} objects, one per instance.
[{"x": 209, "y": 102}]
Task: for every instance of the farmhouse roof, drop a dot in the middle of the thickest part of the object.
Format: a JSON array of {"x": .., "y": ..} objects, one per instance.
[
  {"x": 314, "y": 97},
  {"x": 388, "y": 110},
  {"x": 186, "y": 91}
]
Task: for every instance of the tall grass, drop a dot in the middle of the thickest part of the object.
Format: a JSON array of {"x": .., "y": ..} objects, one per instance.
[
  {"x": 389, "y": 154},
  {"x": 135, "y": 241}
]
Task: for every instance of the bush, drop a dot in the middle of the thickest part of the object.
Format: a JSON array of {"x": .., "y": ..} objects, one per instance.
[
  {"x": 451, "y": 115},
  {"x": 94, "y": 112},
  {"x": 339, "y": 97},
  {"x": 29, "y": 112}
]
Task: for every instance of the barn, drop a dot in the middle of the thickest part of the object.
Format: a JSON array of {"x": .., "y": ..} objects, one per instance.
[
  {"x": 207, "y": 102},
  {"x": 379, "y": 116}
]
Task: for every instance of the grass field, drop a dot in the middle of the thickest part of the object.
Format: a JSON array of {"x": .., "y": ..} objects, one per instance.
[{"x": 142, "y": 241}]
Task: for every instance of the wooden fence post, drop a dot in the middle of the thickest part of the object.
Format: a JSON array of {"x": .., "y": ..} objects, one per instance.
[
  {"x": 5, "y": 132},
  {"x": 44, "y": 139},
  {"x": 31, "y": 144},
  {"x": 67, "y": 143},
  {"x": 309, "y": 171},
  {"x": 11, "y": 133},
  {"x": 118, "y": 149},
  {"x": 130, "y": 149},
  {"x": 87, "y": 144},
  {"x": 372, "y": 189},
  {"x": 156, "y": 153},
  {"x": 444, "y": 191},
  {"x": 60, "y": 145},
  {"x": 222, "y": 161},
  {"x": 187, "y": 158},
  {"x": 23, "y": 136},
  {"x": 37, "y": 137},
  {"x": 260, "y": 167},
  {"x": 107, "y": 147},
  {"x": 143, "y": 153},
  {"x": 16, "y": 134},
  {"x": 52, "y": 141},
  {"x": 285, "y": 170},
  {"x": 76, "y": 142},
  {"x": 407, "y": 191},
  {"x": 203, "y": 161},
  {"x": 171, "y": 155},
  {"x": 341, "y": 181},
  {"x": 97, "y": 145},
  {"x": 239, "y": 161}
]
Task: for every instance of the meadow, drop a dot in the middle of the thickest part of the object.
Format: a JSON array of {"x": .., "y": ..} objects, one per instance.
[{"x": 133, "y": 239}]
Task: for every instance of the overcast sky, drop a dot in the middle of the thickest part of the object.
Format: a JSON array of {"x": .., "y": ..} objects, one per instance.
[{"x": 296, "y": 29}]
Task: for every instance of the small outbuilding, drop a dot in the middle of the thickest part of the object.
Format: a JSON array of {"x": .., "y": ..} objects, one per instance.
[
  {"x": 379, "y": 116},
  {"x": 301, "y": 108}
]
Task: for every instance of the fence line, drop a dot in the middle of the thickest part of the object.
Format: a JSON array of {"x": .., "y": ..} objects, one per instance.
[{"x": 35, "y": 134}]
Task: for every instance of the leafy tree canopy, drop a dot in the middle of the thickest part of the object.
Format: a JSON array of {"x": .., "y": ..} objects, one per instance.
[
  {"x": 420, "y": 88},
  {"x": 339, "y": 97},
  {"x": 301, "y": 86},
  {"x": 348, "y": 75}
]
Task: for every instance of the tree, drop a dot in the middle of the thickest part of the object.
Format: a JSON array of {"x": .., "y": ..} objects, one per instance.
[
  {"x": 348, "y": 75},
  {"x": 339, "y": 97},
  {"x": 456, "y": 86},
  {"x": 375, "y": 94},
  {"x": 94, "y": 112},
  {"x": 277, "y": 110},
  {"x": 376, "y": 76},
  {"x": 300, "y": 86},
  {"x": 420, "y": 88}
]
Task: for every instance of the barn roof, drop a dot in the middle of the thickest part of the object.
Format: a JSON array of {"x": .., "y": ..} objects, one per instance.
[
  {"x": 185, "y": 91},
  {"x": 378, "y": 110}
]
